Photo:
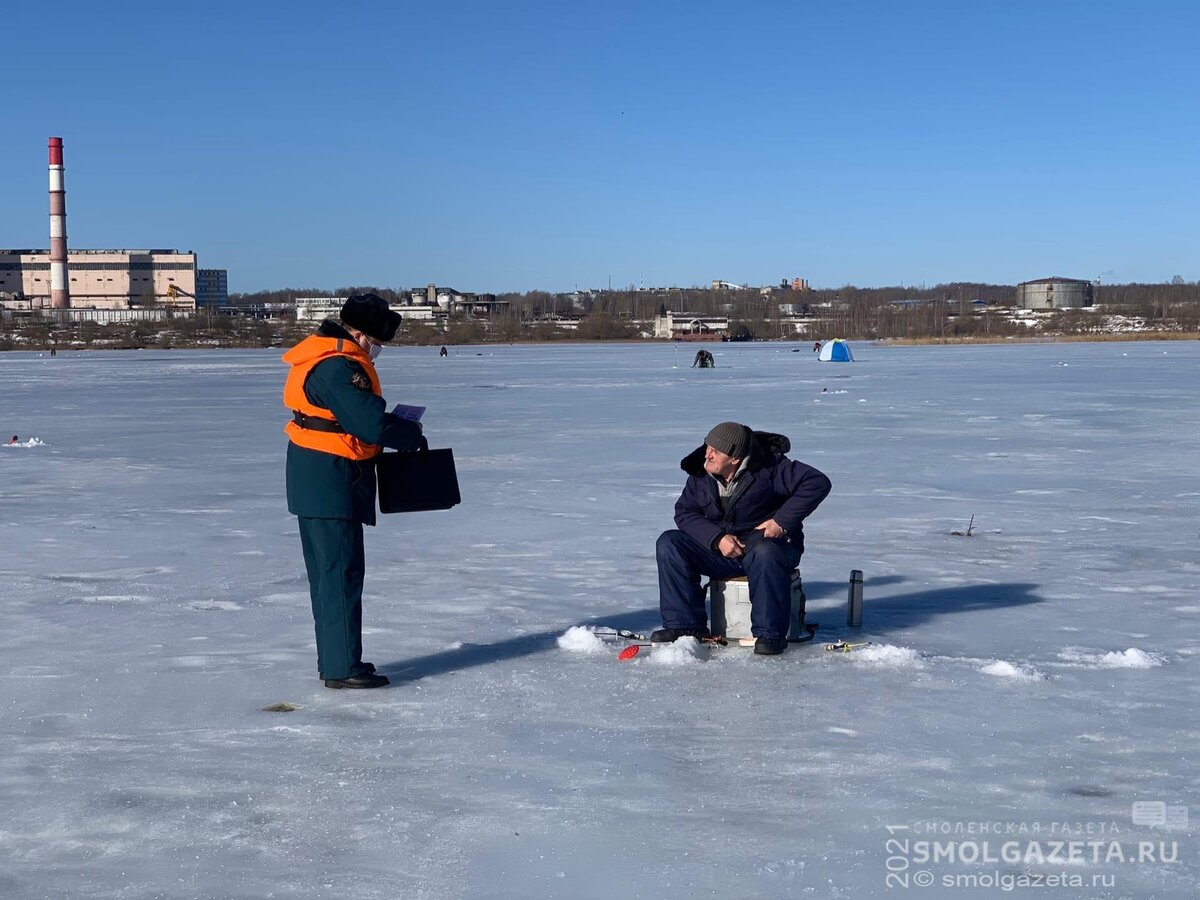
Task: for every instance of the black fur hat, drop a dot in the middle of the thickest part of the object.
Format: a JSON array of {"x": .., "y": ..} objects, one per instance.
[{"x": 371, "y": 315}]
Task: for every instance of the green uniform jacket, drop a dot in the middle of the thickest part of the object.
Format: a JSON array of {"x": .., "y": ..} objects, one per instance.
[{"x": 326, "y": 486}]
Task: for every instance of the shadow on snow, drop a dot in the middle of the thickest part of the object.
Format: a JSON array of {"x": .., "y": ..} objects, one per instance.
[
  {"x": 902, "y": 611},
  {"x": 894, "y": 612},
  {"x": 470, "y": 655}
]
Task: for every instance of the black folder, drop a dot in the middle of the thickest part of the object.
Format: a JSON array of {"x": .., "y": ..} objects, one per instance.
[{"x": 418, "y": 481}]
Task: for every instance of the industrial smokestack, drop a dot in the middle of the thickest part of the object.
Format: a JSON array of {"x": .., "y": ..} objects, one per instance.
[{"x": 60, "y": 296}]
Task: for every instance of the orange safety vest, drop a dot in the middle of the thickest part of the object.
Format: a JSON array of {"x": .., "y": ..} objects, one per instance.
[{"x": 303, "y": 358}]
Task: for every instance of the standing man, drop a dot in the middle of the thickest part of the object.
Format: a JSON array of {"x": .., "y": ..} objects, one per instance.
[
  {"x": 339, "y": 425},
  {"x": 740, "y": 513}
]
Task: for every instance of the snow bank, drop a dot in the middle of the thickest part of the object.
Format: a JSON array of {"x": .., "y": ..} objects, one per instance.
[
  {"x": 581, "y": 639},
  {"x": 1133, "y": 658},
  {"x": 1002, "y": 669},
  {"x": 680, "y": 653},
  {"x": 887, "y": 656}
]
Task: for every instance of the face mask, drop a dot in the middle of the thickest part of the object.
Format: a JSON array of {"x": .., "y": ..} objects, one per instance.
[{"x": 374, "y": 351}]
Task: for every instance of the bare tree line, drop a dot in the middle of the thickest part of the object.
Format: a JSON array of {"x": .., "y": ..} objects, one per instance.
[{"x": 941, "y": 312}]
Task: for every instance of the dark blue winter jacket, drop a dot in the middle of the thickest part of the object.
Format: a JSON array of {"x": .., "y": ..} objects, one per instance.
[{"x": 772, "y": 487}]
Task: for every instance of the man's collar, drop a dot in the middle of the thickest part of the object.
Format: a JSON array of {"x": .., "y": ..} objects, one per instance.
[{"x": 741, "y": 470}]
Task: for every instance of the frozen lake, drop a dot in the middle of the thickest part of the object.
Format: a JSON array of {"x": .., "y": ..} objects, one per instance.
[{"x": 1026, "y": 685}]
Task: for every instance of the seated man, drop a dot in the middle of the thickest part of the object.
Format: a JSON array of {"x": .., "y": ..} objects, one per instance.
[{"x": 740, "y": 513}]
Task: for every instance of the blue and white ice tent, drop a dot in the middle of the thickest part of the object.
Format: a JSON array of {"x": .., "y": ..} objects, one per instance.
[{"x": 836, "y": 350}]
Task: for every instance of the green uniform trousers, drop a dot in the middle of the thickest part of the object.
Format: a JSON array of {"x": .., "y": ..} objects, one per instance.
[{"x": 333, "y": 556}]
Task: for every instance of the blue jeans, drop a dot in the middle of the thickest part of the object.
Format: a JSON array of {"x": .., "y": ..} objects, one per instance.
[{"x": 767, "y": 563}]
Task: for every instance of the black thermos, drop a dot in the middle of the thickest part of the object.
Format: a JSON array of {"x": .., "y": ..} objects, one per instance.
[{"x": 854, "y": 601}]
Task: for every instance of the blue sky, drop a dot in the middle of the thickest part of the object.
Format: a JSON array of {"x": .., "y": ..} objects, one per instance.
[{"x": 530, "y": 145}]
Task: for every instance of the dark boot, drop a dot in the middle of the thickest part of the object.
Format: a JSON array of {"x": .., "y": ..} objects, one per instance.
[
  {"x": 670, "y": 635},
  {"x": 370, "y": 667},
  {"x": 770, "y": 646},
  {"x": 358, "y": 681}
]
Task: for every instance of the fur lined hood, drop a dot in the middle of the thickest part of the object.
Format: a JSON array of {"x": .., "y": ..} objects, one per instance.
[{"x": 769, "y": 448}]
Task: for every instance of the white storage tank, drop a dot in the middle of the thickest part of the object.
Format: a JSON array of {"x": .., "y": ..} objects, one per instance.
[{"x": 1054, "y": 293}]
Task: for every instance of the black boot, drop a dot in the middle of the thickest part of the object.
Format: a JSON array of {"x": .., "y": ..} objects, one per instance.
[
  {"x": 370, "y": 667},
  {"x": 358, "y": 681},
  {"x": 669, "y": 635},
  {"x": 770, "y": 646}
]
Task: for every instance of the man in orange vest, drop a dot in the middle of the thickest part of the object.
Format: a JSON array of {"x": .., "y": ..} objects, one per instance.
[{"x": 340, "y": 423}]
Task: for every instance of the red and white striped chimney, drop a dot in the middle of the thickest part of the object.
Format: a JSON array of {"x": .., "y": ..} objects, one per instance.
[{"x": 60, "y": 295}]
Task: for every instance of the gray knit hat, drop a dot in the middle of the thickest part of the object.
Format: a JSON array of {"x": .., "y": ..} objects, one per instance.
[{"x": 731, "y": 439}]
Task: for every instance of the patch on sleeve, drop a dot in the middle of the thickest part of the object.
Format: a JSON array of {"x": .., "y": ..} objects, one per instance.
[{"x": 360, "y": 381}]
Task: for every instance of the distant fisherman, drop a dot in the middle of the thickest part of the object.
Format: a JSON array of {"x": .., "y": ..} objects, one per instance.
[
  {"x": 340, "y": 424},
  {"x": 704, "y": 360}
]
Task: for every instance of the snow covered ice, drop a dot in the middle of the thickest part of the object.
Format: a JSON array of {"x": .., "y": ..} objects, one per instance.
[{"x": 1040, "y": 672}]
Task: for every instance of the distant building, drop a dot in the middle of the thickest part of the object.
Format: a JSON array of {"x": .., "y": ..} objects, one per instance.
[
  {"x": 688, "y": 326},
  {"x": 558, "y": 320},
  {"x": 481, "y": 305},
  {"x": 800, "y": 284},
  {"x": 1054, "y": 293},
  {"x": 421, "y": 312},
  {"x": 452, "y": 302},
  {"x": 212, "y": 287},
  {"x": 104, "y": 279},
  {"x": 317, "y": 309}
]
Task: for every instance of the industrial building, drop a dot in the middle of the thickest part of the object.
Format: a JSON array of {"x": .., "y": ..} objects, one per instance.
[
  {"x": 447, "y": 303},
  {"x": 1054, "y": 293},
  {"x": 316, "y": 309},
  {"x": 479, "y": 306},
  {"x": 59, "y": 279},
  {"x": 103, "y": 279},
  {"x": 212, "y": 288},
  {"x": 689, "y": 326}
]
